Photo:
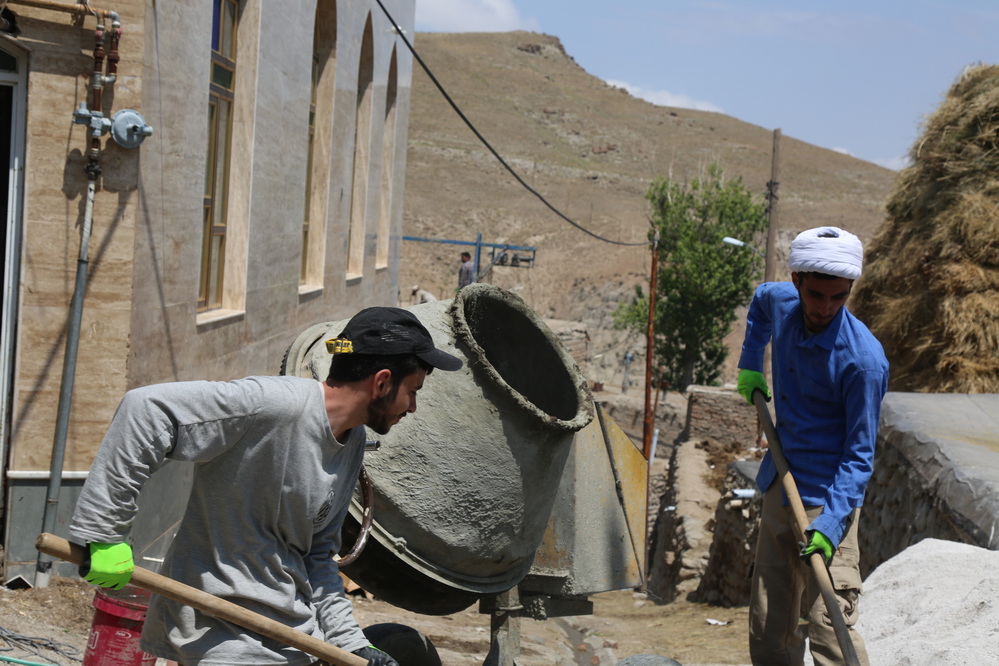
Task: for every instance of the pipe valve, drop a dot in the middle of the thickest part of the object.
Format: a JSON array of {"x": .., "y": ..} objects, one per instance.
[
  {"x": 99, "y": 125},
  {"x": 129, "y": 128}
]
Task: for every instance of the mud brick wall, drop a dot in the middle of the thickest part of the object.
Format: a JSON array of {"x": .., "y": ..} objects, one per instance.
[{"x": 719, "y": 413}]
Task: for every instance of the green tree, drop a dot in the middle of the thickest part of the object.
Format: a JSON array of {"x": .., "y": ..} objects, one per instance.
[{"x": 701, "y": 280}]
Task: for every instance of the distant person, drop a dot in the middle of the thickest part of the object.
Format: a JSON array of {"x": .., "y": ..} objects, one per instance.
[
  {"x": 275, "y": 464},
  {"x": 421, "y": 295},
  {"x": 829, "y": 376},
  {"x": 466, "y": 273}
]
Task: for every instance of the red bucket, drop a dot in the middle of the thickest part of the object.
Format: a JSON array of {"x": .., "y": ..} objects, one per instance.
[{"x": 117, "y": 626}]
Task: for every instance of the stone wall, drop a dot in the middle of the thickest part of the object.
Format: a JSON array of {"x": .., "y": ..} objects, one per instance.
[
  {"x": 936, "y": 475},
  {"x": 727, "y": 576},
  {"x": 681, "y": 538},
  {"x": 719, "y": 413}
]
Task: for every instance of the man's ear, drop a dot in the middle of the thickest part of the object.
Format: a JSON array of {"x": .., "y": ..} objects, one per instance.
[
  {"x": 381, "y": 383},
  {"x": 795, "y": 279}
]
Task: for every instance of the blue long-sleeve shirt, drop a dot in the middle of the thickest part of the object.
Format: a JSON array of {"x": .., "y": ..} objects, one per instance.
[{"x": 827, "y": 391}]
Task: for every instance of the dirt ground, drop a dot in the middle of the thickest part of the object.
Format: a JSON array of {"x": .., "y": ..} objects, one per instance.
[{"x": 623, "y": 623}]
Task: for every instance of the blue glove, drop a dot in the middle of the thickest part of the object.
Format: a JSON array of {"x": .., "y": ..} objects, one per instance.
[
  {"x": 110, "y": 565},
  {"x": 375, "y": 656},
  {"x": 817, "y": 542},
  {"x": 749, "y": 381}
]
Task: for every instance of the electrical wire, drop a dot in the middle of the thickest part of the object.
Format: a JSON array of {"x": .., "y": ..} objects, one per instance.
[
  {"x": 481, "y": 138},
  {"x": 33, "y": 644}
]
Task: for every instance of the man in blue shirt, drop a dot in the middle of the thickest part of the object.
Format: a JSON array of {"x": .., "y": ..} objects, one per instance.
[{"x": 829, "y": 377}]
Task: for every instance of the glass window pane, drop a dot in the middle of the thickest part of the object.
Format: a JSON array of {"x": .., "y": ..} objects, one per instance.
[
  {"x": 8, "y": 63},
  {"x": 305, "y": 255},
  {"x": 216, "y": 26},
  {"x": 229, "y": 31},
  {"x": 210, "y": 162},
  {"x": 221, "y": 162},
  {"x": 217, "y": 259},
  {"x": 222, "y": 76},
  {"x": 205, "y": 258}
]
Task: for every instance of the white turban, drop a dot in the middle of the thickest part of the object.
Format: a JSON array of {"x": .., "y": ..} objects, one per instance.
[{"x": 827, "y": 250}]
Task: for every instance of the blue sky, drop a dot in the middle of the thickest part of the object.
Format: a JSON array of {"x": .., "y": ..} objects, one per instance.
[{"x": 857, "y": 77}]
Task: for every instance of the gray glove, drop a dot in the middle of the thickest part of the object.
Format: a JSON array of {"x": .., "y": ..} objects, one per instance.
[{"x": 375, "y": 656}]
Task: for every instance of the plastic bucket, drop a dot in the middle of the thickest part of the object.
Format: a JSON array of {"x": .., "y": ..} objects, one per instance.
[{"x": 114, "y": 634}]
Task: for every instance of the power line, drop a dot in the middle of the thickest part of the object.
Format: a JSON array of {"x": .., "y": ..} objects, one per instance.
[{"x": 481, "y": 138}]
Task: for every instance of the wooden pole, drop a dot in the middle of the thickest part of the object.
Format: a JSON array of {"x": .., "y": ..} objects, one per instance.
[
  {"x": 210, "y": 604},
  {"x": 801, "y": 520}
]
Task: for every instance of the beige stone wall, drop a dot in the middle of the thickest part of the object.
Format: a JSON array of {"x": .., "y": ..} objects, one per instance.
[
  {"x": 60, "y": 63},
  {"x": 140, "y": 322},
  {"x": 719, "y": 413}
]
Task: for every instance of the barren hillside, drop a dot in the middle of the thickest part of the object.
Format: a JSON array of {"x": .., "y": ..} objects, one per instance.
[{"x": 591, "y": 150}]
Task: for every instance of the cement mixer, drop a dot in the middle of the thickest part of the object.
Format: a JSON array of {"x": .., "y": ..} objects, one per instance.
[{"x": 463, "y": 490}]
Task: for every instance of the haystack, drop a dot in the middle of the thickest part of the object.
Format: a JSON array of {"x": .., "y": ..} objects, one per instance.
[{"x": 930, "y": 289}]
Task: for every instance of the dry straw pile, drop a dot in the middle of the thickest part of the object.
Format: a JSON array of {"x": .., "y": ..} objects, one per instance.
[{"x": 930, "y": 289}]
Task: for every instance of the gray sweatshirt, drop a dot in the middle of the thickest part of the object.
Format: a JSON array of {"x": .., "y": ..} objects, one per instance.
[{"x": 271, "y": 489}]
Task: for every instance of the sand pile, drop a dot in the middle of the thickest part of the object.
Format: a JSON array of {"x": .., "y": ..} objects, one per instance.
[{"x": 936, "y": 602}]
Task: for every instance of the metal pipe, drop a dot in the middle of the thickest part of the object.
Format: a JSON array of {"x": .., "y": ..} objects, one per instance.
[
  {"x": 41, "y": 475},
  {"x": 96, "y": 100},
  {"x": 43, "y": 569},
  {"x": 113, "y": 57},
  {"x": 78, "y": 8}
]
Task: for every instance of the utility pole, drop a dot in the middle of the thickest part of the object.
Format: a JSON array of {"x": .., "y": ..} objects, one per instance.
[
  {"x": 628, "y": 358},
  {"x": 773, "y": 209},
  {"x": 649, "y": 348}
]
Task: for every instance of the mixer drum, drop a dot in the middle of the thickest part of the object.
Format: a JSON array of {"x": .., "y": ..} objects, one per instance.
[{"x": 463, "y": 488}]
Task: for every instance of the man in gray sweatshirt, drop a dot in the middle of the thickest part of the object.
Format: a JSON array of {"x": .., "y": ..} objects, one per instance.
[{"x": 276, "y": 460}]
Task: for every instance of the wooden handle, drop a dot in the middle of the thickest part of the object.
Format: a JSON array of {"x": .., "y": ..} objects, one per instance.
[
  {"x": 801, "y": 519},
  {"x": 207, "y": 603}
]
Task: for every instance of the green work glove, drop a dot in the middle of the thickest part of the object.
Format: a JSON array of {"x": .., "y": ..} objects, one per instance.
[
  {"x": 817, "y": 541},
  {"x": 749, "y": 381},
  {"x": 110, "y": 565},
  {"x": 375, "y": 656}
]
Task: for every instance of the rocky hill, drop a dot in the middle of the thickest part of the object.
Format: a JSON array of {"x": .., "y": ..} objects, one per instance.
[{"x": 590, "y": 150}]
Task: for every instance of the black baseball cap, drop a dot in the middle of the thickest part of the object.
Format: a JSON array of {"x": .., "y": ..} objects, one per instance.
[{"x": 383, "y": 331}]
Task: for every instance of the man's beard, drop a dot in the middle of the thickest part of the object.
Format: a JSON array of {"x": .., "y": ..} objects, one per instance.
[{"x": 380, "y": 419}]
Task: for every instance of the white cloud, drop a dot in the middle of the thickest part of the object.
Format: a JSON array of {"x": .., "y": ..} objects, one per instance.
[
  {"x": 667, "y": 98},
  {"x": 471, "y": 16},
  {"x": 894, "y": 163}
]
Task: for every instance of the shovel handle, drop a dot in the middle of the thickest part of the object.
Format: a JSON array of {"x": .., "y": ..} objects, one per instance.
[
  {"x": 801, "y": 520},
  {"x": 210, "y": 604}
]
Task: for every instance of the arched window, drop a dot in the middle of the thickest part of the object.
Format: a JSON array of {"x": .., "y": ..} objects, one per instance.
[
  {"x": 320, "y": 140},
  {"x": 362, "y": 149},
  {"x": 388, "y": 167}
]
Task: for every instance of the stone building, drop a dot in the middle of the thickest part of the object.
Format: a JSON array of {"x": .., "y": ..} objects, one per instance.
[{"x": 239, "y": 165}]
